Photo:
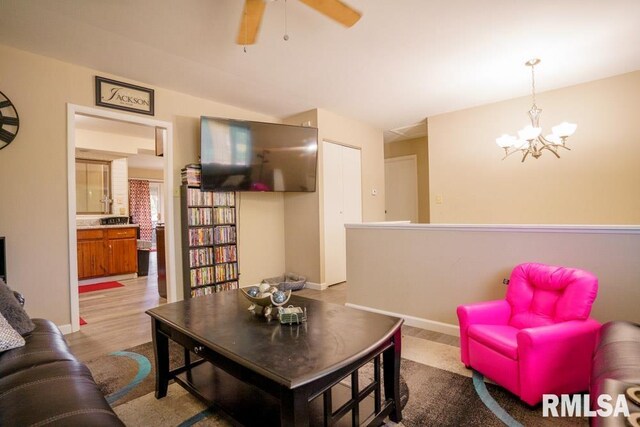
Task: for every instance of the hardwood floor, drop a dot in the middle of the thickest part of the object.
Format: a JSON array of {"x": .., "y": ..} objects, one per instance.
[{"x": 116, "y": 318}]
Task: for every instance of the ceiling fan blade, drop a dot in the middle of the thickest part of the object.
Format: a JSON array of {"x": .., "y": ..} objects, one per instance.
[
  {"x": 336, "y": 10},
  {"x": 250, "y": 21}
]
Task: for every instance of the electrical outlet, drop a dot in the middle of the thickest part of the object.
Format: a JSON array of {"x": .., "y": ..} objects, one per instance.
[
  {"x": 176, "y": 192},
  {"x": 505, "y": 281},
  {"x": 374, "y": 192},
  {"x": 438, "y": 199}
]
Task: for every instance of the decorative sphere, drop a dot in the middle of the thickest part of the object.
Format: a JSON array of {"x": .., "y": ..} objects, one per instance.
[
  {"x": 279, "y": 297},
  {"x": 253, "y": 291}
]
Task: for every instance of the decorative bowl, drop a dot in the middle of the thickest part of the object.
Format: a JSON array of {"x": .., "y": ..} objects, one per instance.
[{"x": 265, "y": 300}]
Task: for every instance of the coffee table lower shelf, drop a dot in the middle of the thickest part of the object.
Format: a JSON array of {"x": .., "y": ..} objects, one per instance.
[{"x": 249, "y": 405}]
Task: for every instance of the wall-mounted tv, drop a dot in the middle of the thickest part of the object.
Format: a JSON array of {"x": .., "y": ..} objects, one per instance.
[{"x": 239, "y": 155}]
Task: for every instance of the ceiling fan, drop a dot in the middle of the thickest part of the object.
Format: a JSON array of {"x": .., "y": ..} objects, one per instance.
[{"x": 254, "y": 9}]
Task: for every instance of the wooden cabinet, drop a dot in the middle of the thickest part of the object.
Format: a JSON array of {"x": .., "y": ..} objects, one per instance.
[{"x": 107, "y": 252}]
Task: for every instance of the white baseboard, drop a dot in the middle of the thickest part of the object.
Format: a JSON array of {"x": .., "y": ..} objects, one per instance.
[
  {"x": 316, "y": 286},
  {"x": 65, "y": 329},
  {"x": 418, "y": 322}
]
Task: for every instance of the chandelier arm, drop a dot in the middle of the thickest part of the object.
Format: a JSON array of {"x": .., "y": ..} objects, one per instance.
[
  {"x": 509, "y": 153},
  {"x": 547, "y": 145},
  {"x": 526, "y": 153}
]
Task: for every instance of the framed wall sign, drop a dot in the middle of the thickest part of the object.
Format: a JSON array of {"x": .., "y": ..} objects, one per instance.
[{"x": 124, "y": 96}]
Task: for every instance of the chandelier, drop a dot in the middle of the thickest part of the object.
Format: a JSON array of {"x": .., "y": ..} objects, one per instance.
[{"x": 530, "y": 139}]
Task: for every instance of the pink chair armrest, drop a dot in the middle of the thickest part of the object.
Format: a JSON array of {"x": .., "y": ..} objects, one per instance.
[
  {"x": 487, "y": 313},
  {"x": 556, "y": 358},
  {"x": 495, "y": 312}
]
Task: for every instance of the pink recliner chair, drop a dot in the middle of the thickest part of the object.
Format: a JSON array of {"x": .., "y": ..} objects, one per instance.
[{"x": 540, "y": 340}]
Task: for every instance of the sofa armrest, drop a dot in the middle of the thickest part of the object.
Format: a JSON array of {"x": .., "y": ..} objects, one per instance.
[
  {"x": 495, "y": 312},
  {"x": 564, "y": 350},
  {"x": 19, "y": 297}
]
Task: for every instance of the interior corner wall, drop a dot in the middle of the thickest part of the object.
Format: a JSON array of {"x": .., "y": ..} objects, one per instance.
[
  {"x": 419, "y": 148},
  {"x": 33, "y": 173},
  {"x": 304, "y": 224},
  {"x": 335, "y": 128},
  {"x": 594, "y": 183},
  {"x": 301, "y": 219}
]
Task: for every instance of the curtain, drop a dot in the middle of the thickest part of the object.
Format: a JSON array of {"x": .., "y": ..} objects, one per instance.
[{"x": 140, "y": 207}]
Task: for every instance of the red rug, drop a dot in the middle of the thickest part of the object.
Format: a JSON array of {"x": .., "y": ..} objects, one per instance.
[
  {"x": 82, "y": 321},
  {"x": 82, "y": 289}
]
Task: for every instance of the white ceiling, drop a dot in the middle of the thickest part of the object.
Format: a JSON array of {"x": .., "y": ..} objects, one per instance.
[{"x": 403, "y": 61}]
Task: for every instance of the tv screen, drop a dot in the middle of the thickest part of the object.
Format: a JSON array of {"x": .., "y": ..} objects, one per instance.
[{"x": 239, "y": 155}]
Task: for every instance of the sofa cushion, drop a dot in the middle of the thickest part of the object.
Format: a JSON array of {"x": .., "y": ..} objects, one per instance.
[
  {"x": 45, "y": 344},
  {"x": 61, "y": 393},
  {"x": 13, "y": 311},
  {"x": 501, "y": 338},
  {"x": 9, "y": 338}
]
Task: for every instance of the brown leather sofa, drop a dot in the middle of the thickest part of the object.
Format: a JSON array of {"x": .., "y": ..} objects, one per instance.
[
  {"x": 616, "y": 367},
  {"x": 42, "y": 383}
]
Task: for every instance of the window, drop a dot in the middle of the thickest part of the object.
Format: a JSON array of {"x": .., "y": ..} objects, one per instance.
[{"x": 93, "y": 187}]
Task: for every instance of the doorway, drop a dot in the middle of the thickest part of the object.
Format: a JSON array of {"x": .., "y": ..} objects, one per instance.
[
  {"x": 118, "y": 201},
  {"x": 342, "y": 182},
  {"x": 401, "y": 188}
]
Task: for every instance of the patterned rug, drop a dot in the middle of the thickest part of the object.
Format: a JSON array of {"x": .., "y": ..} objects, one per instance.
[{"x": 432, "y": 396}]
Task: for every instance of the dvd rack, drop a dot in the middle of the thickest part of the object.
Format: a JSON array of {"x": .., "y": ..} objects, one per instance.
[{"x": 209, "y": 240}]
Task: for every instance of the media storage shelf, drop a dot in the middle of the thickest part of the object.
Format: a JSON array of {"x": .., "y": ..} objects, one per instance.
[{"x": 209, "y": 235}]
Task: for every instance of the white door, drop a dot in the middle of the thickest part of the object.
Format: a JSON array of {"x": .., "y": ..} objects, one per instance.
[
  {"x": 342, "y": 185},
  {"x": 401, "y": 188}
]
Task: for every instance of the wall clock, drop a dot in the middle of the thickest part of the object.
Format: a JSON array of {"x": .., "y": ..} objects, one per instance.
[{"x": 9, "y": 121}]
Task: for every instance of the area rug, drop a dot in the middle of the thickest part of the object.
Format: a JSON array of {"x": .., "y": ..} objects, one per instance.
[
  {"x": 436, "y": 397},
  {"x": 83, "y": 289}
]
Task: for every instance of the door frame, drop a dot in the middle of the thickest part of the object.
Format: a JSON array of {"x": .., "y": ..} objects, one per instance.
[
  {"x": 72, "y": 110},
  {"x": 415, "y": 163}
]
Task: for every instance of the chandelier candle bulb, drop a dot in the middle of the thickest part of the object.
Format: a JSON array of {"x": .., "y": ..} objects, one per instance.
[{"x": 530, "y": 139}]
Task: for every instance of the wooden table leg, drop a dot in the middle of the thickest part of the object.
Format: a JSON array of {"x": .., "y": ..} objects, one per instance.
[
  {"x": 391, "y": 366},
  {"x": 161, "y": 352},
  {"x": 294, "y": 408}
]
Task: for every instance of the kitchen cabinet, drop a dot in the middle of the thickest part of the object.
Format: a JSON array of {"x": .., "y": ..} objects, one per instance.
[{"x": 107, "y": 252}]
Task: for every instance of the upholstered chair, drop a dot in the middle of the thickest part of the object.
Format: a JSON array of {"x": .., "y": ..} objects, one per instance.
[{"x": 540, "y": 339}]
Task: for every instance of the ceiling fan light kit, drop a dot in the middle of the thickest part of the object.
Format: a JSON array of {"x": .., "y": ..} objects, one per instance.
[
  {"x": 254, "y": 10},
  {"x": 530, "y": 140}
]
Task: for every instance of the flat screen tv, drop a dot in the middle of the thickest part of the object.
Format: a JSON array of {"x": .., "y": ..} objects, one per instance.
[{"x": 239, "y": 155}]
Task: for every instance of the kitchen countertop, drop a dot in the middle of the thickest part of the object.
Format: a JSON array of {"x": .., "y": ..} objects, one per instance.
[{"x": 91, "y": 227}]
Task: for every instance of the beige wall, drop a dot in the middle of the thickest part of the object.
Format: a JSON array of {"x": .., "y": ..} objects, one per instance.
[
  {"x": 33, "y": 177},
  {"x": 302, "y": 219},
  {"x": 138, "y": 173},
  {"x": 112, "y": 142},
  {"x": 303, "y": 212},
  {"x": 419, "y": 148},
  {"x": 595, "y": 183},
  {"x": 426, "y": 271}
]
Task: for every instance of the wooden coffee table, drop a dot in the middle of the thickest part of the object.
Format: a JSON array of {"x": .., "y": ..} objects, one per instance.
[{"x": 265, "y": 373}]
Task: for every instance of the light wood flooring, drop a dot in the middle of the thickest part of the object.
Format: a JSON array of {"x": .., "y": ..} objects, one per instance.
[{"x": 116, "y": 318}]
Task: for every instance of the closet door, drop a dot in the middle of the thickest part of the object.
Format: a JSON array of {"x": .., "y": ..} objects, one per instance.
[{"x": 342, "y": 204}]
